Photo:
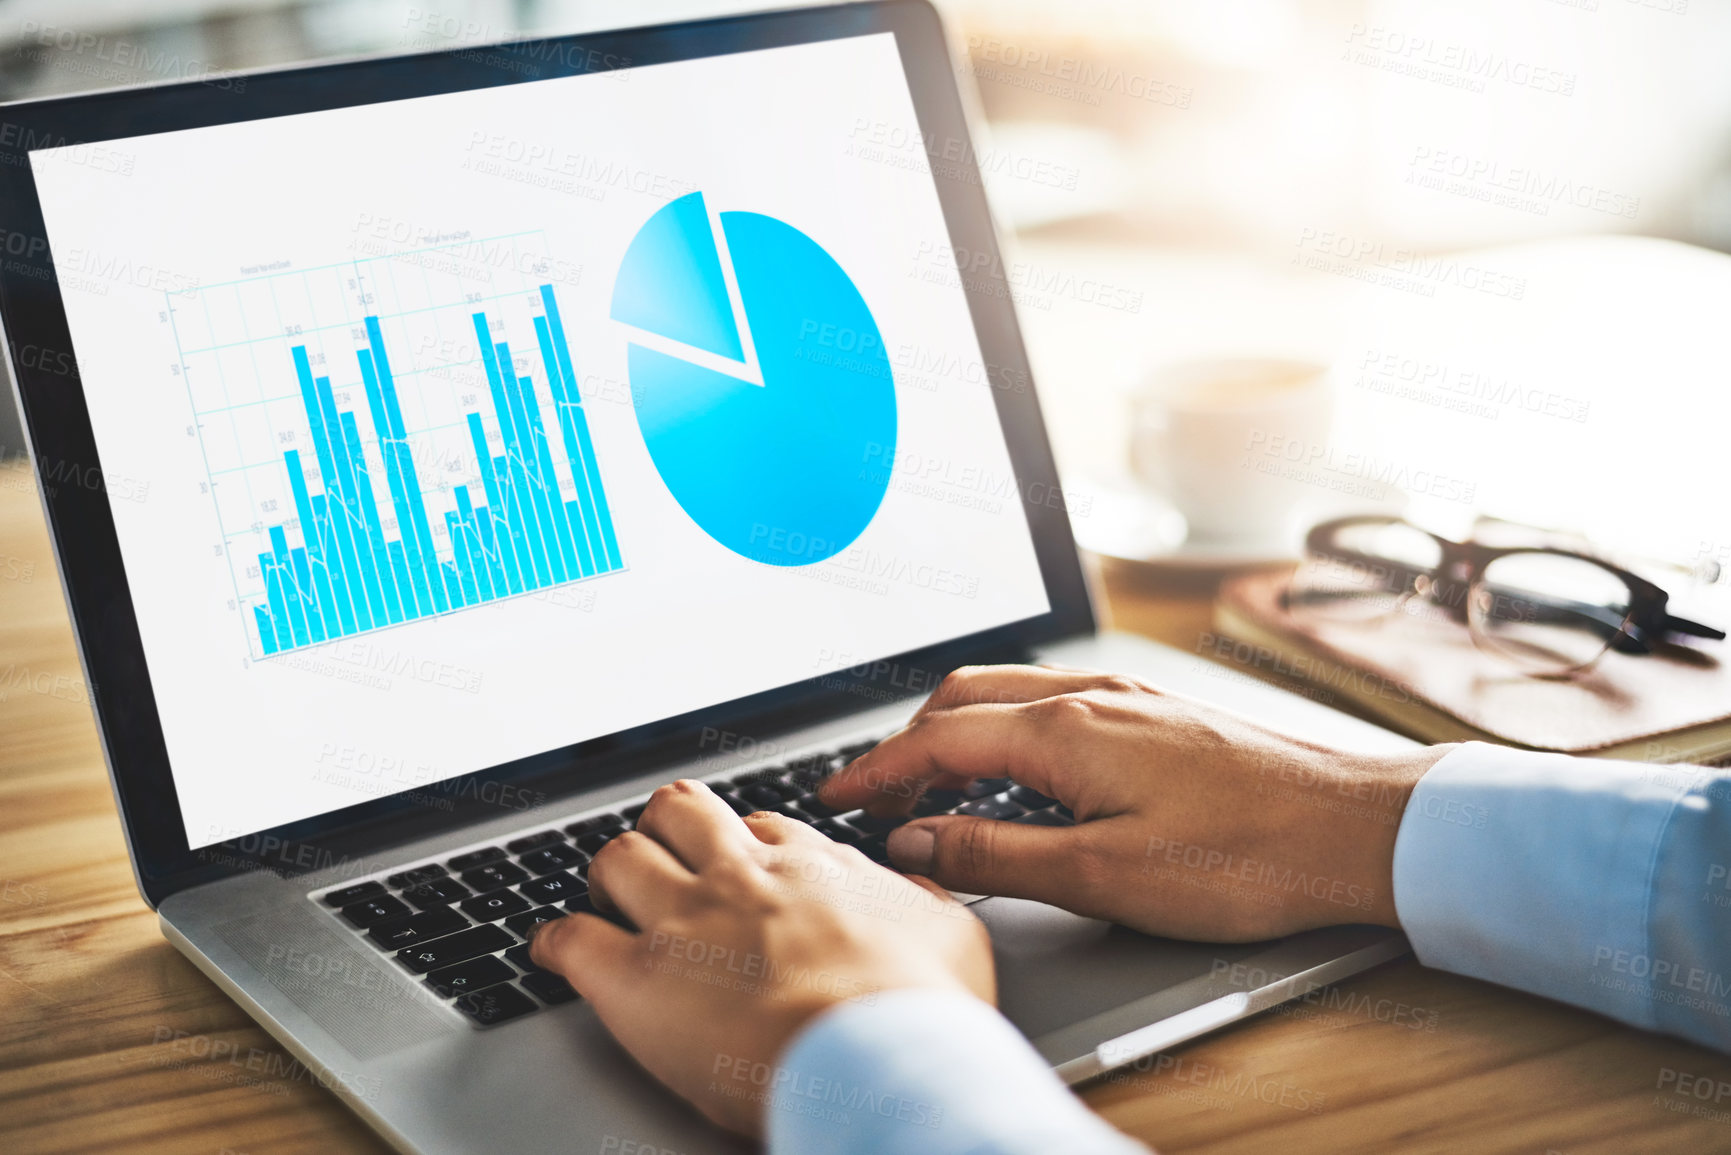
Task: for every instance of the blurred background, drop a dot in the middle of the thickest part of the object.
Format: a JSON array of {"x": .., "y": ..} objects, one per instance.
[
  {"x": 1193, "y": 178},
  {"x": 1195, "y": 123}
]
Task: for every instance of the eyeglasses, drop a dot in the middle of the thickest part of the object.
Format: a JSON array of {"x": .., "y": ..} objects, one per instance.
[{"x": 1554, "y": 612}]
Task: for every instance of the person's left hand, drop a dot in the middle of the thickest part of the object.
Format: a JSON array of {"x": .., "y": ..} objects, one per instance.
[{"x": 748, "y": 928}]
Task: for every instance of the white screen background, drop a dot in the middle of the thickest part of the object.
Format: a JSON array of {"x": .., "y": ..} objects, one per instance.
[{"x": 821, "y": 136}]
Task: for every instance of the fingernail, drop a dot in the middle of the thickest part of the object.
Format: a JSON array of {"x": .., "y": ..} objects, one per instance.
[
  {"x": 534, "y": 933},
  {"x": 911, "y": 848}
]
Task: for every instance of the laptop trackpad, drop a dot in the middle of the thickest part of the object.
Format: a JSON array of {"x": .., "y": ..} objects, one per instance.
[{"x": 1056, "y": 969}]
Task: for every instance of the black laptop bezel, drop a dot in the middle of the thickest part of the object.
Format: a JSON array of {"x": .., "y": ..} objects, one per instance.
[{"x": 41, "y": 357}]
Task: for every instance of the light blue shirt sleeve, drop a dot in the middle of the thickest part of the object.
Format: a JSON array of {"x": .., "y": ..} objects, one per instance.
[
  {"x": 925, "y": 1072},
  {"x": 1598, "y": 883}
]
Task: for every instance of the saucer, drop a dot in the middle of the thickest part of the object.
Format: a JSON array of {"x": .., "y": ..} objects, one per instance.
[{"x": 1128, "y": 523}]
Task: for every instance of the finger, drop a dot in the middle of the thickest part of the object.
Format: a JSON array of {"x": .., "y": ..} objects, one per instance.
[
  {"x": 636, "y": 875},
  {"x": 983, "y": 856},
  {"x": 1002, "y": 685},
  {"x": 779, "y": 830},
  {"x": 591, "y": 953},
  {"x": 697, "y": 826},
  {"x": 986, "y": 741}
]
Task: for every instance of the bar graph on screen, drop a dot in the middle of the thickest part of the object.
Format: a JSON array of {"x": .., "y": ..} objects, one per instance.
[{"x": 380, "y": 450}]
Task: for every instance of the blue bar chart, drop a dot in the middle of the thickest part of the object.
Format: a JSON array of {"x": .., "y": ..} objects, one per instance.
[{"x": 496, "y": 492}]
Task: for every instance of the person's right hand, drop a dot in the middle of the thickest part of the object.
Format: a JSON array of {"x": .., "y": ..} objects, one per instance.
[
  {"x": 1193, "y": 822},
  {"x": 748, "y": 929}
]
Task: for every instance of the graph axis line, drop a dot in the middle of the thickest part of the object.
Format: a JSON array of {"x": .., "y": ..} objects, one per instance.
[{"x": 204, "y": 456}]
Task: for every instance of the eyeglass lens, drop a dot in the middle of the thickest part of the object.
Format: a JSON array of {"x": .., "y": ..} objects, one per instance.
[
  {"x": 1548, "y": 612},
  {"x": 1373, "y": 567}
]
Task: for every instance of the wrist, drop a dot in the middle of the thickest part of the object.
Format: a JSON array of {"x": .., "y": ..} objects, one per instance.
[{"x": 1376, "y": 789}]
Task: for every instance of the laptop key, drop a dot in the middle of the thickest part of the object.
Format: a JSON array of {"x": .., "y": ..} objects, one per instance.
[
  {"x": 349, "y": 895},
  {"x": 416, "y": 875},
  {"x": 455, "y": 948},
  {"x": 473, "y": 975},
  {"x": 494, "y": 905},
  {"x": 937, "y": 802},
  {"x": 805, "y": 774},
  {"x": 553, "y": 888},
  {"x": 373, "y": 910},
  {"x": 534, "y": 841},
  {"x": 397, "y": 933},
  {"x": 585, "y": 904},
  {"x": 519, "y": 924},
  {"x": 795, "y": 780},
  {"x": 769, "y": 795},
  {"x": 549, "y": 988},
  {"x": 436, "y": 892},
  {"x": 760, "y": 795},
  {"x": 597, "y": 822},
  {"x": 475, "y": 858},
  {"x": 814, "y": 806},
  {"x": 1044, "y": 818},
  {"x": 592, "y": 842},
  {"x": 494, "y": 875},
  {"x": 996, "y": 808},
  {"x": 495, "y": 1004},
  {"x": 874, "y": 824},
  {"x": 551, "y": 858},
  {"x": 632, "y": 813},
  {"x": 1031, "y": 798},
  {"x": 519, "y": 958},
  {"x": 836, "y": 831},
  {"x": 875, "y": 848},
  {"x": 985, "y": 787}
]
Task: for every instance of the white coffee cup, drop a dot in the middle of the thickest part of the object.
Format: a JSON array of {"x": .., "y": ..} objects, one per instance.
[{"x": 1210, "y": 436}]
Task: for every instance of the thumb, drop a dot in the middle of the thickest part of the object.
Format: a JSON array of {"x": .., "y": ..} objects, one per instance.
[
  {"x": 989, "y": 856},
  {"x": 592, "y": 954}
]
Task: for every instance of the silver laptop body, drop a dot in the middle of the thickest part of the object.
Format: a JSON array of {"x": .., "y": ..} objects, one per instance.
[
  {"x": 1090, "y": 996},
  {"x": 248, "y": 909}
]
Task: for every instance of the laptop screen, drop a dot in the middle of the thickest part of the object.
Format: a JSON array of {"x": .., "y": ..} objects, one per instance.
[{"x": 447, "y": 431}]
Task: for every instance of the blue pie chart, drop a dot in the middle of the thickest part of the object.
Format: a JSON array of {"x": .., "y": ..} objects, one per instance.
[{"x": 785, "y": 473}]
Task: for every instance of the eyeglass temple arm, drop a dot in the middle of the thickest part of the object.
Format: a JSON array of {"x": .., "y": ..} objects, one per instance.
[
  {"x": 1317, "y": 542},
  {"x": 1605, "y": 622},
  {"x": 1629, "y": 637},
  {"x": 1694, "y": 629}
]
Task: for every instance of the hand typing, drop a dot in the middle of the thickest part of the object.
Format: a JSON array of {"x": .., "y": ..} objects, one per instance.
[
  {"x": 747, "y": 929},
  {"x": 1194, "y": 822}
]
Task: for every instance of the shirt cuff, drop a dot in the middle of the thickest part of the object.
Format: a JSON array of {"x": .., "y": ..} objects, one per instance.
[
  {"x": 923, "y": 1072},
  {"x": 1534, "y": 871}
]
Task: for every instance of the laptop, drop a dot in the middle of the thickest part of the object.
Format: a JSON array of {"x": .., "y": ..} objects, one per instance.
[{"x": 443, "y": 451}]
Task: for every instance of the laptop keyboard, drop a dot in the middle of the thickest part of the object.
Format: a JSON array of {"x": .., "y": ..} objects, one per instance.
[{"x": 461, "y": 925}]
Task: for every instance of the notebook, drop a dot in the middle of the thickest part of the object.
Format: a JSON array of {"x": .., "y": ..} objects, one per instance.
[{"x": 1426, "y": 678}]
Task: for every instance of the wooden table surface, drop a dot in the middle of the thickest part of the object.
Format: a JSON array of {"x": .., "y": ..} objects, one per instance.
[{"x": 111, "y": 1041}]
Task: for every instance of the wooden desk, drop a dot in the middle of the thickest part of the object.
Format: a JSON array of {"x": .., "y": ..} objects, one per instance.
[{"x": 111, "y": 1041}]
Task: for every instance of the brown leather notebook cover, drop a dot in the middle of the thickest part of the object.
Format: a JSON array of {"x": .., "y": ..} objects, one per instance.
[{"x": 1428, "y": 678}]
